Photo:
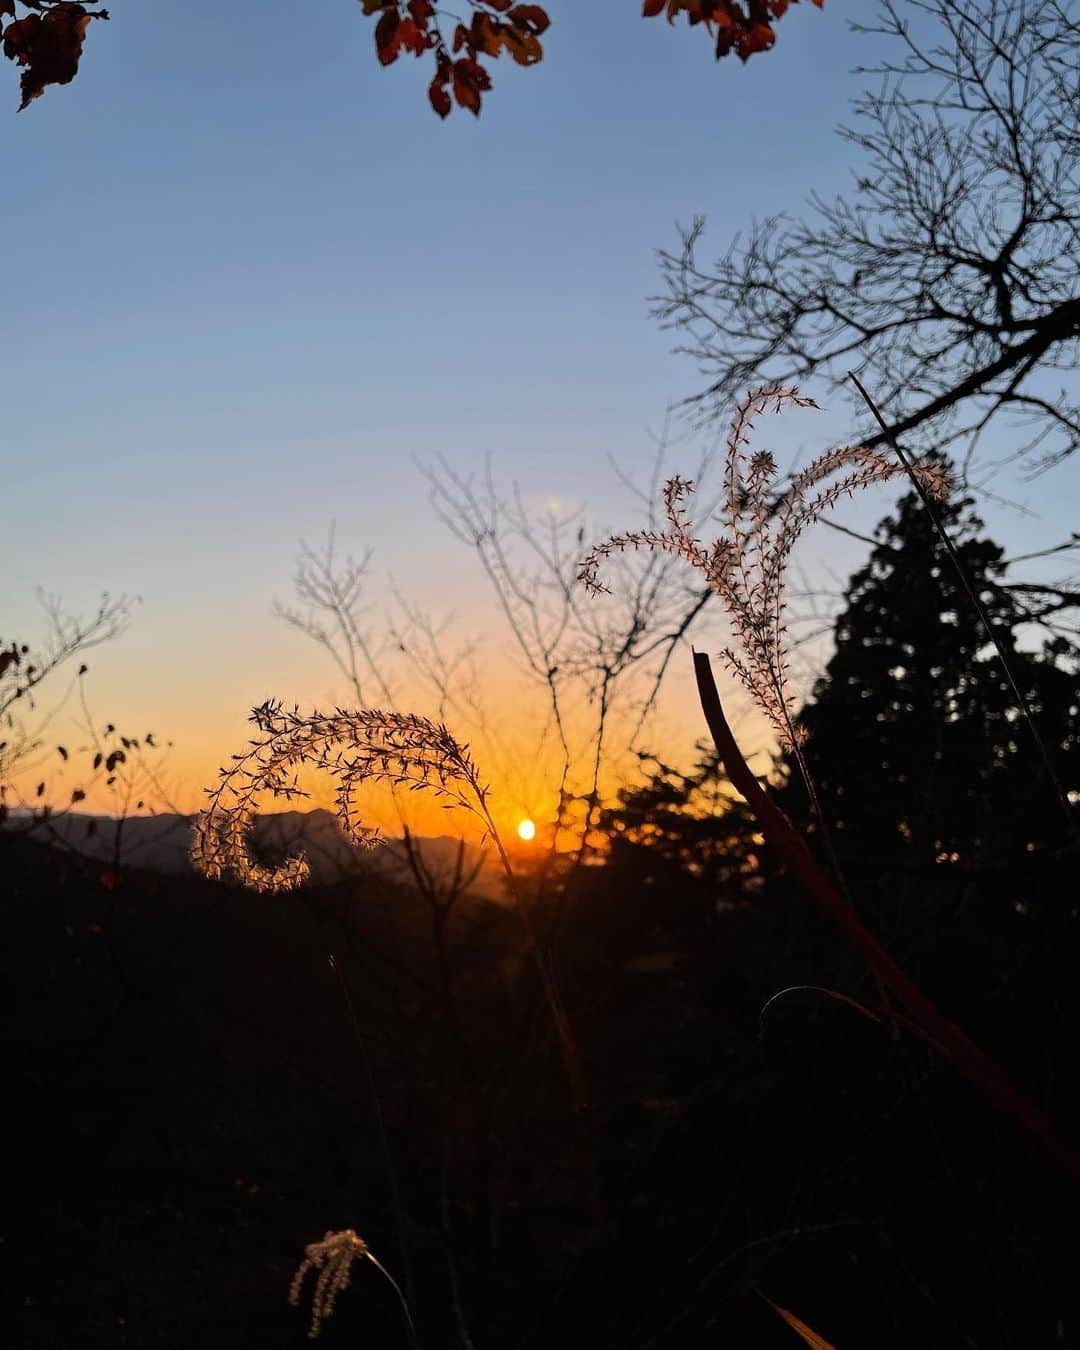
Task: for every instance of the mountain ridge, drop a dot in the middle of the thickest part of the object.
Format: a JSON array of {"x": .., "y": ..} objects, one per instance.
[{"x": 161, "y": 843}]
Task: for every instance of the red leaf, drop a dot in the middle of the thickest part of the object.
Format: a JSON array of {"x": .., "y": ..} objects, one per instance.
[
  {"x": 439, "y": 95},
  {"x": 530, "y": 17},
  {"x": 757, "y": 37},
  {"x": 470, "y": 81},
  {"x": 744, "y": 28},
  {"x": 412, "y": 38},
  {"x": 387, "y": 38},
  {"x": 485, "y": 35}
]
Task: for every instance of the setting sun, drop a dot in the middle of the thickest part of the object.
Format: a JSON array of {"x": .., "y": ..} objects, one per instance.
[{"x": 526, "y": 830}]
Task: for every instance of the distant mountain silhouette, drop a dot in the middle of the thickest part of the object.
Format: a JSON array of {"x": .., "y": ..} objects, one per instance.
[{"x": 161, "y": 843}]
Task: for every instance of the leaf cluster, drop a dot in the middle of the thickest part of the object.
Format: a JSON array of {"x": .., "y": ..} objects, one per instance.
[
  {"x": 740, "y": 28},
  {"x": 46, "y": 42},
  {"x": 496, "y": 26}
]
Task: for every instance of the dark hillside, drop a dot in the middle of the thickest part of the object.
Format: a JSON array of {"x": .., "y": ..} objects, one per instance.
[{"x": 191, "y": 1106}]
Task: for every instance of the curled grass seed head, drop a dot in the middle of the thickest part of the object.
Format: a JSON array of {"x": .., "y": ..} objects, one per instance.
[{"x": 355, "y": 747}]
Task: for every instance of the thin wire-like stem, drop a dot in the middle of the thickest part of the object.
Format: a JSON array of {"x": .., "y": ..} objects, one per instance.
[
  {"x": 413, "y": 1338},
  {"x": 888, "y": 1012}
]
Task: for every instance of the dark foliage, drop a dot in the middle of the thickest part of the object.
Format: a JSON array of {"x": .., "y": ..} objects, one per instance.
[
  {"x": 191, "y": 1105},
  {"x": 46, "y": 42},
  {"x": 914, "y": 739},
  {"x": 195, "y": 1093}
]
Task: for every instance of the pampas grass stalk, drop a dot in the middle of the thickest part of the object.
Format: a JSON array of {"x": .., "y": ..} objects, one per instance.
[
  {"x": 356, "y": 747},
  {"x": 933, "y": 1026}
]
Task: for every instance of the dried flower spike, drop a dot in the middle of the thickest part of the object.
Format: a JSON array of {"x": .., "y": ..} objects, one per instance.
[
  {"x": 355, "y": 747},
  {"x": 747, "y": 564},
  {"x": 332, "y": 1258}
]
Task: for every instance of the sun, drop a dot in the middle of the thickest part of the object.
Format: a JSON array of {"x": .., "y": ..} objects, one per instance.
[{"x": 526, "y": 830}]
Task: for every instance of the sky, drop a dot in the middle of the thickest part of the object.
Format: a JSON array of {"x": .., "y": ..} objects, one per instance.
[{"x": 254, "y": 285}]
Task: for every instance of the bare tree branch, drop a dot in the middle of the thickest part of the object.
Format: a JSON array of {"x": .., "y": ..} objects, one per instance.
[{"x": 948, "y": 280}]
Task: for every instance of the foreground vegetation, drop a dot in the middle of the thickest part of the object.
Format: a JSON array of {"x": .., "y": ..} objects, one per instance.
[{"x": 207, "y": 1079}]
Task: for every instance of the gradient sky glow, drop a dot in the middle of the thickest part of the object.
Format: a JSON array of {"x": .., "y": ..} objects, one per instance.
[{"x": 251, "y": 280}]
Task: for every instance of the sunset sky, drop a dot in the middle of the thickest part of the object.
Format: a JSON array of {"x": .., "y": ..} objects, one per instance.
[{"x": 253, "y": 284}]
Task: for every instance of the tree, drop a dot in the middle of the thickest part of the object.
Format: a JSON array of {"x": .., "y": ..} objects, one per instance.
[
  {"x": 913, "y": 736},
  {"x": 47, "y": 41},
  {"x": 681, "y": 829},
  {"x": 948, "y": 279}
]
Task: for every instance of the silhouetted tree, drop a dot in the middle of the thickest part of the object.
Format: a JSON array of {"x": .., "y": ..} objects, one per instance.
[
  {"x": 681, "y": 831},
  {"x": 913, "y": 735}
]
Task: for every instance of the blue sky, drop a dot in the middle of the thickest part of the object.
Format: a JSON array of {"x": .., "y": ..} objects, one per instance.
[{"x": 251, "y": 279}]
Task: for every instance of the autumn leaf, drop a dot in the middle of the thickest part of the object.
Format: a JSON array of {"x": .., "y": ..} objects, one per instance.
[
  {"x": 48, "y": 41},
  {"x": 438, "y": 92},
  {"x": 530, "y": 19},
  {"x": 809, "y": 1336},
  {"x": 48, "y": 45},
  {"x": 412, "y": 37},
  {"x": 495, "y": 27},
  {"x": 387, "y": 39},
  {"x": 740, "y": 28},
  {"x": 470, "y": 80}
]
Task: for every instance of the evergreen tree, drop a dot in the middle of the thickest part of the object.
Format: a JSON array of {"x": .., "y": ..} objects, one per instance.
[{"x": 913, "y": 737}]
